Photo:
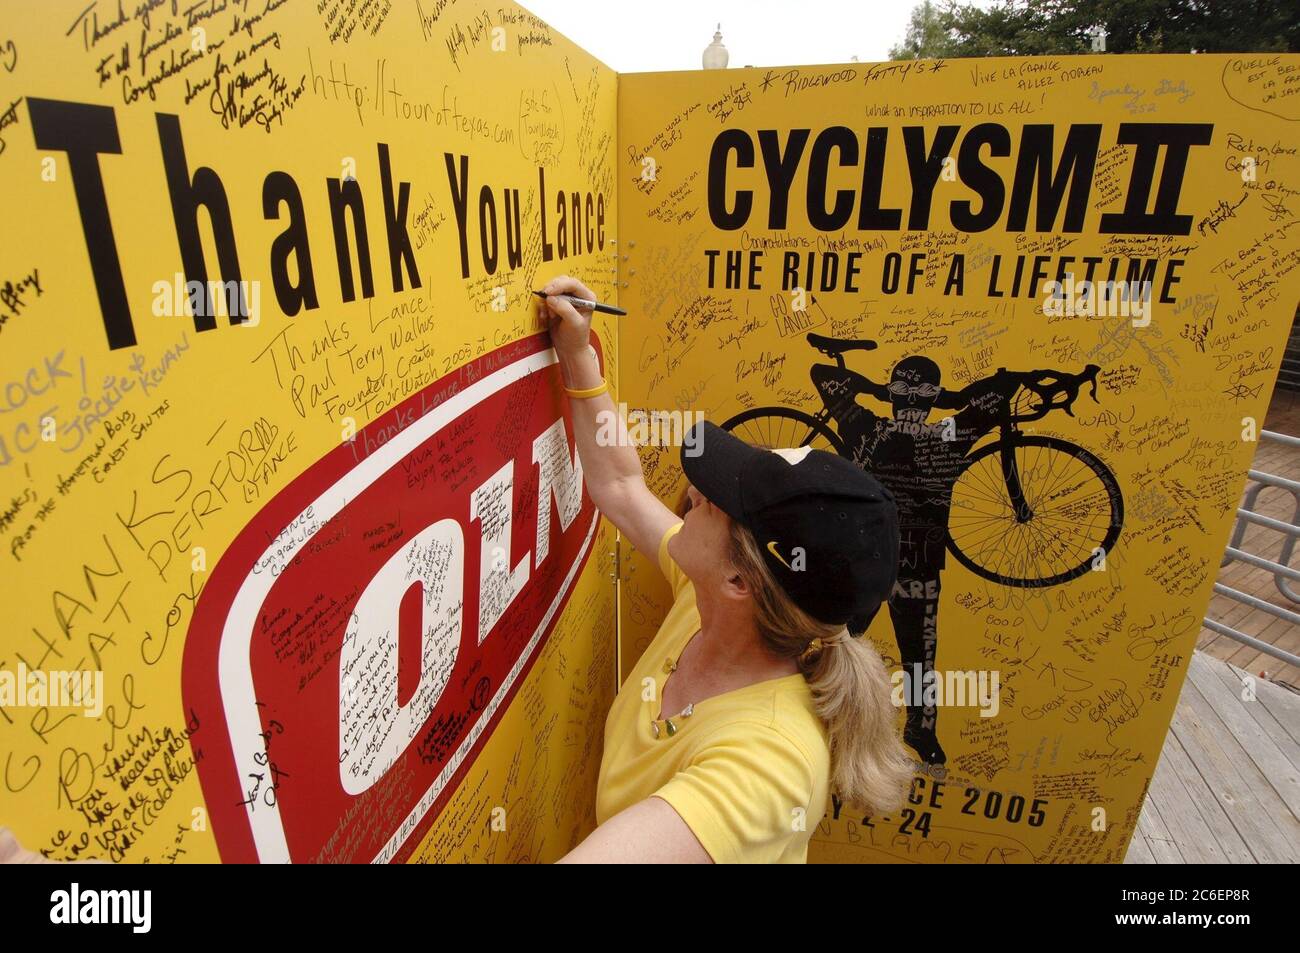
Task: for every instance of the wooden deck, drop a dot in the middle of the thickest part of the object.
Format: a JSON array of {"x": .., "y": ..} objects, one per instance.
[{"x": 1227, "y": 788}]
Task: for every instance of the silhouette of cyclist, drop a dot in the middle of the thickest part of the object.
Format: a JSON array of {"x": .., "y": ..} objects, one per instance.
[{"x": 919, "y": 462}]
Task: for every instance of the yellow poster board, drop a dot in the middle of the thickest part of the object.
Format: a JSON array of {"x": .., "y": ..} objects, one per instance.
[
  {"x": 297, "y": 564},
  {"x": 298, "y": 557},
  {"x": 859, "y": 257}
]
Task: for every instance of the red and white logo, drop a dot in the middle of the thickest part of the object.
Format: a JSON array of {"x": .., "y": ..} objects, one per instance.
[{"x": 363, "y": 634}]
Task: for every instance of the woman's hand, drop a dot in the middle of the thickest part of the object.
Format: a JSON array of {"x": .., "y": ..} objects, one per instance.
[{"x": 570, "y": 328}]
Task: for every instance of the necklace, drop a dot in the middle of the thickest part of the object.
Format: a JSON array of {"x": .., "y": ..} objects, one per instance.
[{"x": 666, "y": 727}]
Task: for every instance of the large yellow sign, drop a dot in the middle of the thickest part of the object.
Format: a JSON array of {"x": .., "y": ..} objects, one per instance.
[
  {"x": 1044, "y": 301},
  {"x": 297, "y": 560}
]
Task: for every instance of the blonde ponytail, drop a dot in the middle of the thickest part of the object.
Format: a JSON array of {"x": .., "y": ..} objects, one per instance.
[{"x": 870, "y": 766}]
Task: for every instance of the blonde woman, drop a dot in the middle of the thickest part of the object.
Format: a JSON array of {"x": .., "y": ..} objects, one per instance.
[{"x": 753, "y": 702}]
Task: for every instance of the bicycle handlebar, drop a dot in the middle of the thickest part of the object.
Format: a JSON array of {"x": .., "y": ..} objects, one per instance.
[{"x": 1062, "y": 386}]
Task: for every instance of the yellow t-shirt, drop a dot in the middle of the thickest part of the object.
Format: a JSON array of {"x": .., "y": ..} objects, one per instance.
[{"x": 748, "y": 770}]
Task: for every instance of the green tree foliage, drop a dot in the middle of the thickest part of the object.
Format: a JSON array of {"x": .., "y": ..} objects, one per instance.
[{"x": 1040, "y": 27}]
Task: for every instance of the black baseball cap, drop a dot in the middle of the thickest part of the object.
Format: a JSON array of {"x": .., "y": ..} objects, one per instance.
[{"x": 827, "y": 528}]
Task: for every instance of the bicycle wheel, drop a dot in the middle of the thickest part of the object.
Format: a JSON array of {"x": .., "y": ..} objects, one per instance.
[
  {"x": 1075, "y": 508},
  {"x": 784, "y": 427}
]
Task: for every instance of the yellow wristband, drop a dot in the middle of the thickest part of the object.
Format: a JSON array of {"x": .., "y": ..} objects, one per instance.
[{"x": 588, "y": 392}]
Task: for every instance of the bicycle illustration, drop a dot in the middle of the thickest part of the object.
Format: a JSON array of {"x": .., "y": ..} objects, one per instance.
[
  {"x": 1016, "y": 508},
  {"x": 1013, "y": 494}
]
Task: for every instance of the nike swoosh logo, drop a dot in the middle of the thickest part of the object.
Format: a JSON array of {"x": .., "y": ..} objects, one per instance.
[{"x": 771, "y": 548}]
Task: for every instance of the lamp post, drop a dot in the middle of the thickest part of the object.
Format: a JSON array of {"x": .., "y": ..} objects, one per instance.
[{"x": 715, "y": 54}]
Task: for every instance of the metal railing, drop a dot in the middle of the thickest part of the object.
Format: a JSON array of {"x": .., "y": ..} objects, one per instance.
[{"x": 1283, "y": 574}]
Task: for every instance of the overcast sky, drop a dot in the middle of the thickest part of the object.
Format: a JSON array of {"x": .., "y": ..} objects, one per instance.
[{"x": 634, "y": 36}]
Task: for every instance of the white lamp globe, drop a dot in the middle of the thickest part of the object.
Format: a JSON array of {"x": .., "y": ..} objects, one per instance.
[{"x": 715, "y": 54}]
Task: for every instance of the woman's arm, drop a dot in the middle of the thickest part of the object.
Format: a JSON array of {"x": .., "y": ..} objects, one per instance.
[
  {"x": 648, "y": 832},
  {"x": 611, "y": 467}
]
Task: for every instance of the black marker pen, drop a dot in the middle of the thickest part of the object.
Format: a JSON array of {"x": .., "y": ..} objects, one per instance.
[{"x": 584, "y": 303}]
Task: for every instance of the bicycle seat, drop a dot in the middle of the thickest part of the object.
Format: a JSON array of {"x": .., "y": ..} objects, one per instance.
[{"x": 839, "y": 345}]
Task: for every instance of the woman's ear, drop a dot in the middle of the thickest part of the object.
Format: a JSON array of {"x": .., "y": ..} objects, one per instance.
[{"x": 736, "y": 587}]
